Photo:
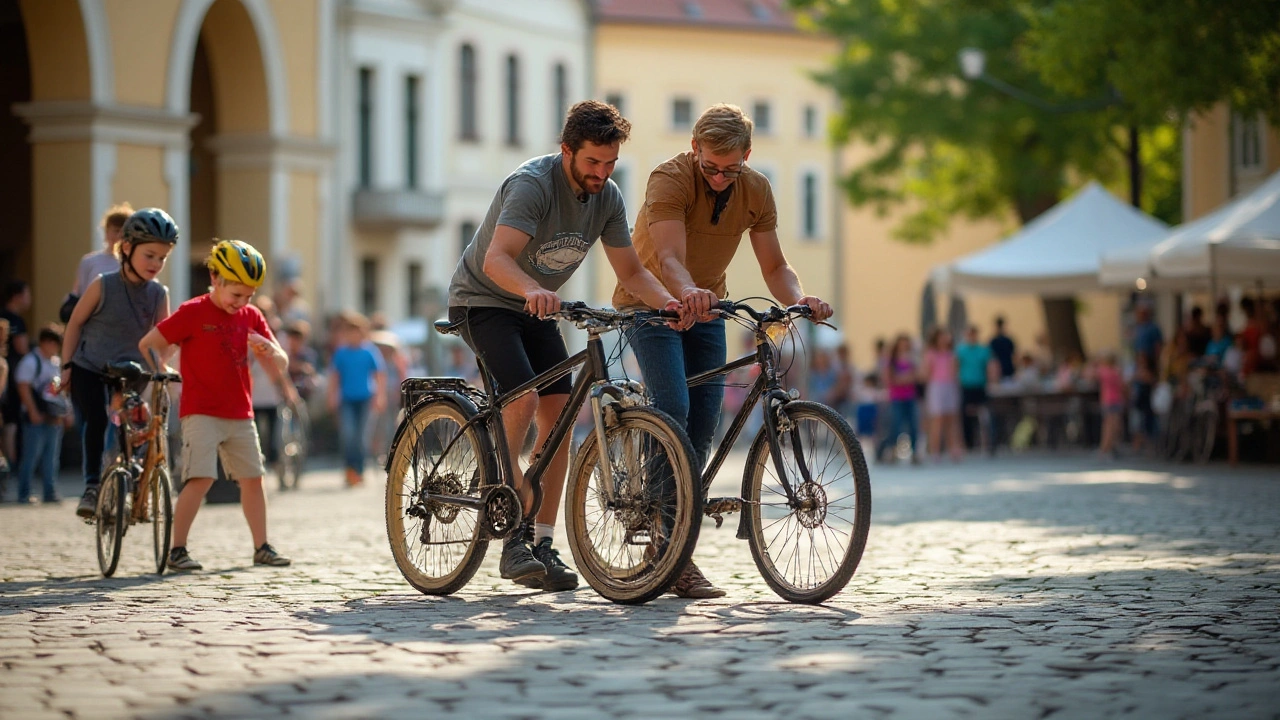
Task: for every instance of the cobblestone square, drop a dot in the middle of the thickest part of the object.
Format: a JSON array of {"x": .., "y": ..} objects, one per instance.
[{"x": 1021, "y": 587}]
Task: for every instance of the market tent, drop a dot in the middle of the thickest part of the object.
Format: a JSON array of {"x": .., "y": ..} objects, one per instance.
[
  {"x": 1238, "y": 242},
  {"x": 1129, "y": 268},
  {"x": 1056, "y": 255}
]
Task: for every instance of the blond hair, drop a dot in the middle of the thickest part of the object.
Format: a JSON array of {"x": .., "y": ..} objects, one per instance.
[
  {"x": 722, "y": 129},
  {"x": 116, "y": 215}
]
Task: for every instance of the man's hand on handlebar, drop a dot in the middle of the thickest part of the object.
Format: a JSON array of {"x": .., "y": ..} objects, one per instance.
[
  {"x": 683, "y": 319},
  {"x": 820, "y": 309},
  {"x": 698, "y": 303},
  {"x": 541, "y": 302}
]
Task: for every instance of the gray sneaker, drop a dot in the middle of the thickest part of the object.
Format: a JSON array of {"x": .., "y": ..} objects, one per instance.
[
  {"x": 518, "y": 562},
  {"x": 88, "y": 506},
  {"x": 558, "y": 577},
  {"x": 267, "y": 555},
  {"x": 179, "y": 559}
]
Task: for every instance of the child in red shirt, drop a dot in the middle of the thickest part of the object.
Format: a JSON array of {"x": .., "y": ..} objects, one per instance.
[{"x": 216, "y": 332}]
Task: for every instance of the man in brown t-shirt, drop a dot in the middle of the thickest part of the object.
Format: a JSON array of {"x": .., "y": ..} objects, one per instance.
[{"x": 697, "y": 206}]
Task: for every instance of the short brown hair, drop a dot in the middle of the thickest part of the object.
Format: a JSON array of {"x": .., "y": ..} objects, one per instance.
[
  {"x": 116, "y": 215},
  {"x": 723, "y": 128},
  {"x": 594, "y": 122}
]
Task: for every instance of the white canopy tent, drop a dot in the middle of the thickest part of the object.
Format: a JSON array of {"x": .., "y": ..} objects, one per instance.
[
  {"x": 1057, "y": 254},
  {"x": 1239, "y": 242}
]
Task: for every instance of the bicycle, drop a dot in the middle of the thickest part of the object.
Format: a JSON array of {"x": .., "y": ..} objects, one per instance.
[
  {"x": 790, "y": 505},
  {"x": 630, "y": 519},
  {"x": 136, "y": 487},
  {"x": 295, "y": 434},
  {"x": 1191, "y": 430}
]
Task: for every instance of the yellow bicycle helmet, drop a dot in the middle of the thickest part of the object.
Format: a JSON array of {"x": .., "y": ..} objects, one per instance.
[{"x": 238, "y": 261}]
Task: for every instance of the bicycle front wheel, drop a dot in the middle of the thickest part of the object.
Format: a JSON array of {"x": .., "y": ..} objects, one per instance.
[
  {"x": 438, "y": 547},
  {"x": 632, "y": 533},
  {"x": 161, "y": 514},
  {"x": 294, "y": 431},
  {"x": 111, "y": 518},
  {"x": 809, "y": 547}
]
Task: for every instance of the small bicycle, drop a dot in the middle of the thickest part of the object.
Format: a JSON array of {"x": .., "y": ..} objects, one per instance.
[
  {"x": 631, "y": 502},
  {"x": 136, "y": 487},
  {"x": 806, "y": 491}
]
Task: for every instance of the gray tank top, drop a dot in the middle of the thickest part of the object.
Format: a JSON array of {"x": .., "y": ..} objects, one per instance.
[{"x": 125, "y": 313}]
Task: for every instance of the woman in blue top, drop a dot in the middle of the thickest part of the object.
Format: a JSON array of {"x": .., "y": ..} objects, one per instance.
[{"x": 357, "y": 378}]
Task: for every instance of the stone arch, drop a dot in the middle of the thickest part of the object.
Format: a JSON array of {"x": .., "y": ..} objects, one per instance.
[{"x": 60, "y": 52}]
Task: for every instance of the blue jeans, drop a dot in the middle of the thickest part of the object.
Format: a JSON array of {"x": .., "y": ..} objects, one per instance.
[
  {"x": 667, "y": 358},
  {"x": 902, "y": 419},
  {"x": 41, "y": 445},
  {"x": 353, "y": 415}
]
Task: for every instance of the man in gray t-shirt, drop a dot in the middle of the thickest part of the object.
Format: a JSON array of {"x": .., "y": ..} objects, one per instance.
[{"x": 541, "y": 223}]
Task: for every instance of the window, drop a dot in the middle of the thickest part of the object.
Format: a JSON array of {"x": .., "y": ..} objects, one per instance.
[
  {"x": 411, "y": 131},
  {"x": 809, "y": 210},
  {"x": 513, "y": 100},
  {"x": 467, "y": 232},
  {"x": 615, "y": 99},
  {"x": 368, "y": 285},
  {"x": 467, "y": 129},
  {"x": 560, "y": 81},
  {"x": 681, "y": 113},
  {"x": 762, "y": 117},
  {"x": 620, "y": 178},
  {"x": 415, "y": 290},
  {"x": 810, "y": 121},
  {"x": 365, "y": 126},
  {"x": 1246, "y": 143}
]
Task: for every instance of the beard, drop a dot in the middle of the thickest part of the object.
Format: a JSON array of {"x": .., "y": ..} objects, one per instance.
[{"x": 588, "y": 184}]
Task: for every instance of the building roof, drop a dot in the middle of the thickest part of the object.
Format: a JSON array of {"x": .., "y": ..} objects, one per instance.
[{"x": 728, "y": 14}]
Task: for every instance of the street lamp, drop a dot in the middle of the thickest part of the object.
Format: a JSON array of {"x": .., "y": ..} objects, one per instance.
[{"x": 973, "y": 66}]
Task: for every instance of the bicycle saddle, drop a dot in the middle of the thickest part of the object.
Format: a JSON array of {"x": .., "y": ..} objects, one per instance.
[
  {"x": 127, "y": 371},
  {"x": 444, "y": 327}
]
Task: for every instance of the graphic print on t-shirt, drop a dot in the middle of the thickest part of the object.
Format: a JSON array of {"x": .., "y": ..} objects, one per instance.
[{"x": 561, "y": 255}]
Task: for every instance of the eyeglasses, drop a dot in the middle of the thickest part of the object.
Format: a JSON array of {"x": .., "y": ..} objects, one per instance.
[{"x": 712, "y": 171}]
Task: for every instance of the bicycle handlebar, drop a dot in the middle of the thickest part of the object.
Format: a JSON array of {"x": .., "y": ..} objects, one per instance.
[{"x": 773, "y": 314}]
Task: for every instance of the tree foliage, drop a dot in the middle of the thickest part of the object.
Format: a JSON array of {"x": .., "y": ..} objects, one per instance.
[{"x": 949, "y": 147}]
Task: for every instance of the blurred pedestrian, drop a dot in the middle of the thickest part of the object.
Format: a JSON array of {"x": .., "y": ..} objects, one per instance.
[
  {"x": 902, "y": 374},
  {"x": 1111, "y": 396},
  {"x": 841, "y": 396},
  {"x": 1003, "y": 349},
  {"x": 1199, "y": 335},
  {"x": 99, "y": 262},
  {"x": 14, "y": 302},
  {"x": 942, "y": 395},
  {"x": 267, "y": 394},
  {"x": 4, "y": 381},
  {"x": 976, "y": 367},
  {"x": 1147, "y": 344},
  {"x": 396, "y": 364},
  {"x": 45, "y": 412},
  {"x": 304, "y": 362},
  {"x": 357, "y": 381}
]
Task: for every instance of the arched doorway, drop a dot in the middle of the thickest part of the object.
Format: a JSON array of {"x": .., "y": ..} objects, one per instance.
[
  {"x": 16, "y": 255},
  {"x": 203, "y": 218}
]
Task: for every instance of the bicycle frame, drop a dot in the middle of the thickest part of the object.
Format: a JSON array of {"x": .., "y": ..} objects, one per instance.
[{"x": 156, "y": 428}]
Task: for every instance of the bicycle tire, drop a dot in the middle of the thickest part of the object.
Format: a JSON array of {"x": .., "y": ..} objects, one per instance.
[
  {"x": 644, "y": 440},
  {"x": 161, "y": 512},
  {"x": 294, "y": 431},
  {"x": 466, "y": 470},
  {"x": 768, "y": 536},
  {"x": 1205, "y": 435},
  {"x": 110, "y": 518}
]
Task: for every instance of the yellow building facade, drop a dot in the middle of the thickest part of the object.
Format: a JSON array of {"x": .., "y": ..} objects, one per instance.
[
  {"x": 211, "y": 109},
  {"x": 846, "y": 255}
]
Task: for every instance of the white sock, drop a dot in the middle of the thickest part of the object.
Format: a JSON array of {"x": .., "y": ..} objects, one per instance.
[{"x": 542, "y": 530}]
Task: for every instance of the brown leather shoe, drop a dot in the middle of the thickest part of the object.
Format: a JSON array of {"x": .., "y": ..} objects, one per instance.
[{"x": 693, "y": 584}]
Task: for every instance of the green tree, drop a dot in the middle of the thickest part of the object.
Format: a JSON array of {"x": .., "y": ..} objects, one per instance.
[{"x": 955, "y": 148}]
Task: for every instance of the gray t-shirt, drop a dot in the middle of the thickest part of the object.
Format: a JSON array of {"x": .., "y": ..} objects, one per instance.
[{"x": 537, "y": 199}]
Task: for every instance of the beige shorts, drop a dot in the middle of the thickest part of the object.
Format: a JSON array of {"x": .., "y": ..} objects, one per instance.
[{"x": 206, "y": 438}]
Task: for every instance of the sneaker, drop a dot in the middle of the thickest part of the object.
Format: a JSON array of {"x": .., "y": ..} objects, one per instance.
[
  {"x": 267, "y": 555},
  {"x": 693, "y": 584},
  {"x": 558, "y": 577},
  {"x": 88, "y": 506},
  {"x": 518, "y": 562},
  {"x": 179, "y": 559}
]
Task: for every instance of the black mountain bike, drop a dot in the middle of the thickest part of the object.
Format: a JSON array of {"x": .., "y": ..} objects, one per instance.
[
  {"x": 631, "y": 520},
  {"x": 806, "y": 491}
]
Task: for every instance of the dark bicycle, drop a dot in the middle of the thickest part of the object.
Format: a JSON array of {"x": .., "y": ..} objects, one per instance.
[
  {"x": 806, "y": 491},
  {"x": 631, "y": 521}
]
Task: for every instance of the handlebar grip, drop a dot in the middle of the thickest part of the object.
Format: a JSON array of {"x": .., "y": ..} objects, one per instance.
[{"x": 669, "y": 314}]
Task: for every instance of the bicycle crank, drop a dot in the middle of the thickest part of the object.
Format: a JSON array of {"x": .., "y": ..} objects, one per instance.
[{"x": 501, "y": 512}]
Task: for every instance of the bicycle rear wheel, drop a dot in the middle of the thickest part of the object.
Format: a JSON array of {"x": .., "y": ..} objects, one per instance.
[
  {"x": 110, "y": 521},
  {"x": 294, "y": 431},
  {"x": 437, "y": 547},
  {"x": 632, "y": 537},
  {"x": 807, "y": 551},
  {"x": 1204, "y": 433},
  {"x": 161, "y": 513}
]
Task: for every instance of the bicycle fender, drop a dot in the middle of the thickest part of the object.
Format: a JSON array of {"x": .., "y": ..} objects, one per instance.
[{"x": 464, "y": 405}]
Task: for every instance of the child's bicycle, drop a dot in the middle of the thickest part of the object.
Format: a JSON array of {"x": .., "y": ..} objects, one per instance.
[
  {"x": 136, "y": 487},
  {"x": 806, "y": 491}
]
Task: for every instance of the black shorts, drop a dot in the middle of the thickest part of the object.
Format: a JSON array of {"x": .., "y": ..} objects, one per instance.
[{"x": 514, "y": 346}]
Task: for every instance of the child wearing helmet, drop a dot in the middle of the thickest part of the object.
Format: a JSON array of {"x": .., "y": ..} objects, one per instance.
[
  {"x": 116, "y": 310},
  {"x": 216, "y": 333}
]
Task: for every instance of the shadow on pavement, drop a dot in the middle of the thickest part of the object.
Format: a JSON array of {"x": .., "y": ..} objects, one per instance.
[{"x": 16, "y": 597}]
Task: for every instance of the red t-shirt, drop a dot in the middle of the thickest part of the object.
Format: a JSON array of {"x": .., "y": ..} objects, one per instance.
[{"x": 215, "y": 356}]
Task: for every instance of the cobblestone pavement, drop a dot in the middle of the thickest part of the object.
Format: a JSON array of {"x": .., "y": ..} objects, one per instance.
[{"x": 1007, "y": 588}]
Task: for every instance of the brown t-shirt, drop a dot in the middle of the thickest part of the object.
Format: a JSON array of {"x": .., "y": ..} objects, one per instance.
[{"x": 678, "y": 191}]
